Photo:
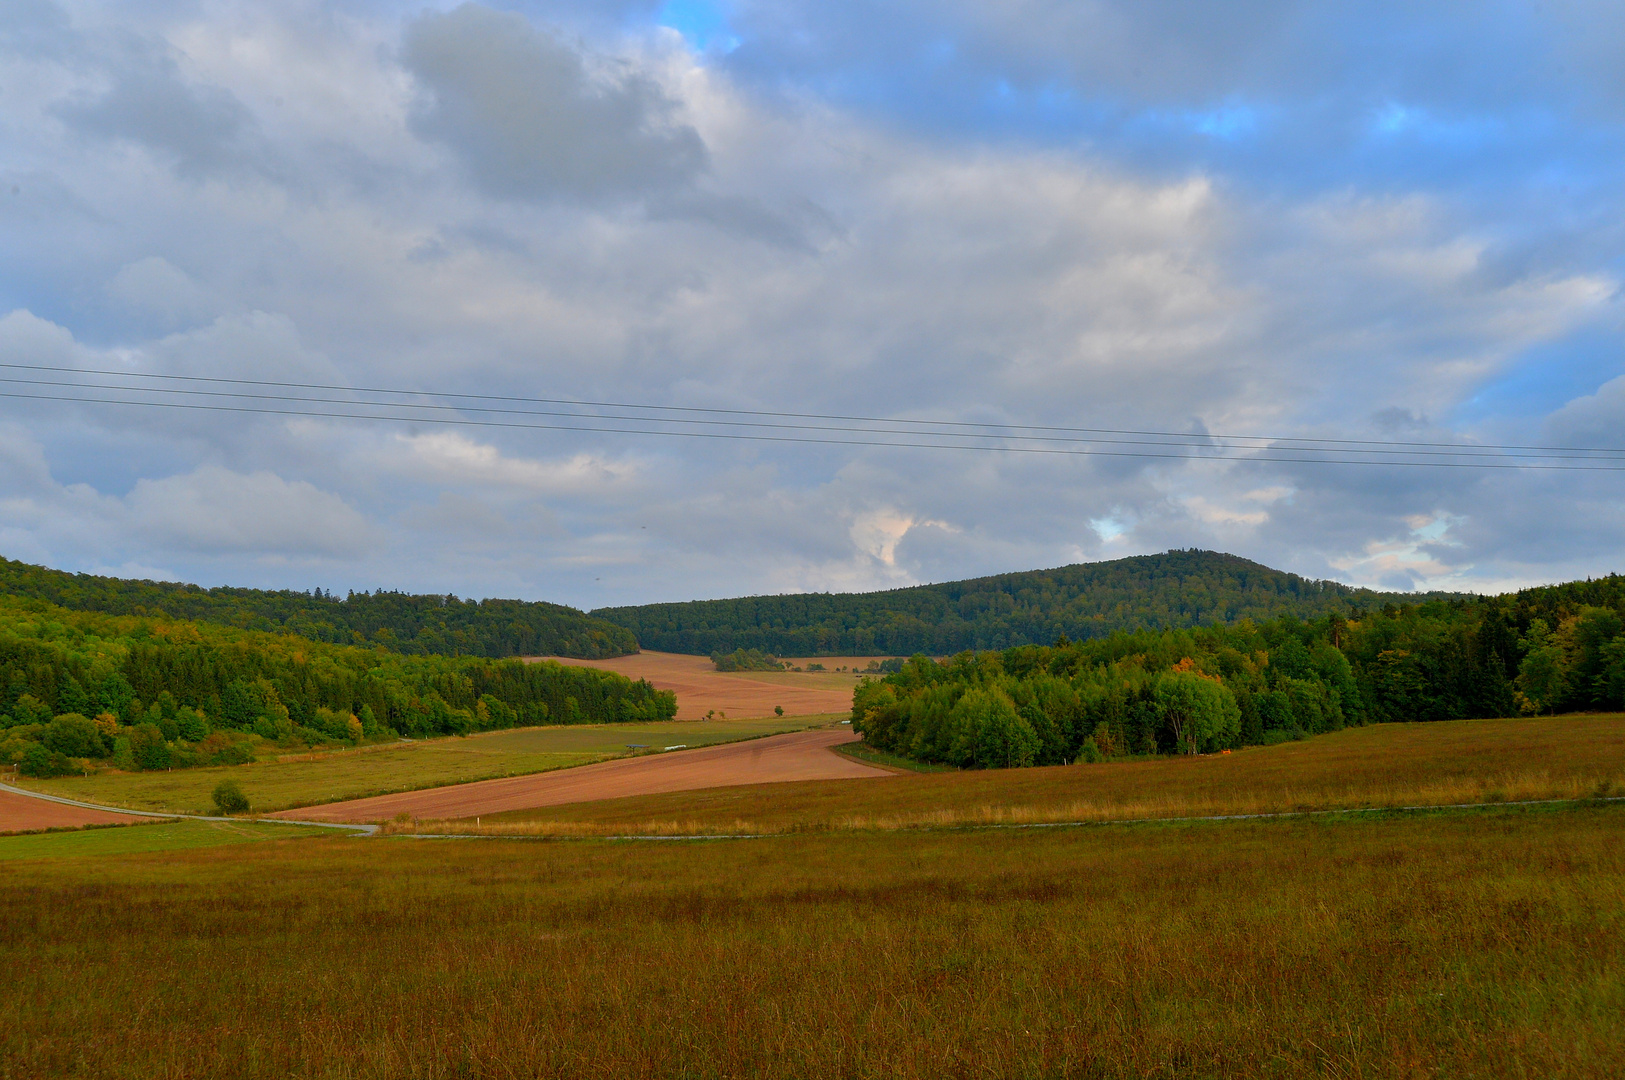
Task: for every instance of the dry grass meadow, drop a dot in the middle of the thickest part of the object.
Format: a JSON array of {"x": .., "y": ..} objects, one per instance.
[
  {"x": 1468, "y": 944},
  {"x": 876, "y": 934},
  {"x": 1389, "y": 765}
]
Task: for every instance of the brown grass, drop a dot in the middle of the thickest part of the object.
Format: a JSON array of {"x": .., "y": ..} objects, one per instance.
[
  {"x": 1467, "y": 945},
  {"x": 1389, "y": 765}
]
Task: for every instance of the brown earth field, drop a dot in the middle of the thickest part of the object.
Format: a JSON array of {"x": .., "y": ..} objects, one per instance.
[
  {"x": 19, "y": 813},
  {"x": 701, "y": 688},
  {"x": 799, "y": 755}
]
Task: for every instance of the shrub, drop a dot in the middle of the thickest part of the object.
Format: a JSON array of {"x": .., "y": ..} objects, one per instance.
[
  {"x": 229, "y": 798},
  {"x": 73, "y": 735},
  {"x": 148, "y": 748},
  {"x": 1090, "y": 753},
  {"x": 38, "y": 761}
]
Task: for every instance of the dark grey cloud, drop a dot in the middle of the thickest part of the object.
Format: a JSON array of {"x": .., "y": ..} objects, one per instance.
[
  {"x": 531, "y": 120},
  {"x": 200, "y": 129}
]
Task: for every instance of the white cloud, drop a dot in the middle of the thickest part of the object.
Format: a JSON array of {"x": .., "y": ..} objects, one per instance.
[
  {"x": 473, "y": 202},
  {"x": 448, "y": 457},
  {"x": 216, "y": 511}
]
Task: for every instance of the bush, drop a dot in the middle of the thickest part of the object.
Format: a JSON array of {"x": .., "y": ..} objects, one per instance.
[
  {"x": 746, "y": 660},
  {"x": 38, "y": 761},
  {"x": 148, "y": 748},
  {"x": 229, "y": 798},
  {"x": 73, "y": 735},
  {"x": 1090, "y": 753}
]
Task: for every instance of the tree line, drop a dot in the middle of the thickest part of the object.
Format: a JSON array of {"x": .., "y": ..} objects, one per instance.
[
  {"x": 154, "y": 693},
  {"x": 1197, "y": 690},
  {"x": 407, "y": 624},
  {"x": 1083, "y": 602}
]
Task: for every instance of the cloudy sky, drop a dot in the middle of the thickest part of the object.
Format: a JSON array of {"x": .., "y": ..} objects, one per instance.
[{"x": 1379, "y": 221}]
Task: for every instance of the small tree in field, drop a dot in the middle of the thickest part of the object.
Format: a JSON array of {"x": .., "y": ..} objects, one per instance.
[{"x": 229, "y": 798}]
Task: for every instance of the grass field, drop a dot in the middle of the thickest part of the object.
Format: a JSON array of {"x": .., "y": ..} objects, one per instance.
[
  {"x": 158, "y": 835},
  {"x": 1460, "y": 761},
  {"x": 1471, "y": 944},
  {"x": 354, "y": 774}
]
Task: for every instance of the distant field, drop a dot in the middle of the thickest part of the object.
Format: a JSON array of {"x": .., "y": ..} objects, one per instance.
[
  {"x": 1476, "y": 944},
  {"x": 355, "y": 774},
  {"x": 776, "y": 759},
  {"x": 19, "y": 813},
  {"x": 701, "y": 688},
  {"x": 160, "y": 835},
  {"x": 1459, "y": 761}
]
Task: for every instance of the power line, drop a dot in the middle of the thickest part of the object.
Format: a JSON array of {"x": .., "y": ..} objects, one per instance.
[
  {"x": 1463, "y": 452},
  {"x": 732, "y": 436},
  {"x": 1182, "y": 435}
]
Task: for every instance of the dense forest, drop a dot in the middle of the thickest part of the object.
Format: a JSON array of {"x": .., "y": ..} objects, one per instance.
[
  {"x": 412, "y": 625},
  {"x": 1554, "y": 649},
  {"x": 1090, "y": 600},
  {"x": 146, "y": 692}
]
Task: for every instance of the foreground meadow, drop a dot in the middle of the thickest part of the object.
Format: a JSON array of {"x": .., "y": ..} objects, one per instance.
[
  {"x": 1383, "y": 765},
  {"x": 1468, "y": 944},
  {"x": 329, "y": 776}
]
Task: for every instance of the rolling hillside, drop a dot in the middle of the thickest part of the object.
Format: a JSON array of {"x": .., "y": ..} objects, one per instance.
[
  {"x": 1089, "y": 600},
  {"x": 413, "y": 625}
]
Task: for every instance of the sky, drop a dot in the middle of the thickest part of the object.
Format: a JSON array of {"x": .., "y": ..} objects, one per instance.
[{"x": 1362, "y": 221}]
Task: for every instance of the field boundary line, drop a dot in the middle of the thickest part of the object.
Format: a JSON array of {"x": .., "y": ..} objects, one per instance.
[{"x": 354, "y": 827}]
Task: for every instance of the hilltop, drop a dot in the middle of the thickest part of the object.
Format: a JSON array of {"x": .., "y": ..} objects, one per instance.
[
  {"x": 1079, "y": 602},
  {"x": 404, "y": 623}
]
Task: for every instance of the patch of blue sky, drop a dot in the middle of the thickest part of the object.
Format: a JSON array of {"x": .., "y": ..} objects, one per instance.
[
  {"x": 1395, "y": 120},
  {"x": 1547, "y": 377},
  {"x": 703, "y": 23}
]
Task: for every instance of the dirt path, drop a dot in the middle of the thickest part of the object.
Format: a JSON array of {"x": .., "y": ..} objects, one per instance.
[
  {"x": 799, "y": 755},
  {"x": 19, "y": 813},
  {"x": 700, "y": 687}
]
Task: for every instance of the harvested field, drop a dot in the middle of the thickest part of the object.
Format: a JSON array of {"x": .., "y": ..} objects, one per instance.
[
  {"x": 701, "y": 688},
  {"x": 801, "y": 755},
  {"x": 344, "y": 775},
  {"x": 19, "y": 813}
]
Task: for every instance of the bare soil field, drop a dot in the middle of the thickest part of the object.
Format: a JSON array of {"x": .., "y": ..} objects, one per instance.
[
  {"x": 800, "y": 755},
  {"x": 701, "y": 688},
  {"x": 19, "y": 813}
]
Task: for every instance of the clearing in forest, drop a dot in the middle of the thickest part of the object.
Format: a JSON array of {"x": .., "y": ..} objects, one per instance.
[{"x": 701, "y": 688}]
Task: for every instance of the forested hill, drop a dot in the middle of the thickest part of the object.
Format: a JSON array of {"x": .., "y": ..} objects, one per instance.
[
  {"x": 414, "y": 625},
  {"x": 1089, "y": 600}
]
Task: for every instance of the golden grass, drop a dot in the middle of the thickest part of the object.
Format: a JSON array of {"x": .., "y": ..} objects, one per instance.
[
  {"x": 1484, "y": 944},
  {"x": 331, "y": 776},
  {"x": 1390, "y": 765}
]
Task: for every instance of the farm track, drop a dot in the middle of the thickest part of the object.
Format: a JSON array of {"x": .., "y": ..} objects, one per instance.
[{"x": 798, "y": 755}]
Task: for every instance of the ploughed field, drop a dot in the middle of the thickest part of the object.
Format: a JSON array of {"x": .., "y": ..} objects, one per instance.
[
  {"x": 19, "y": 813},
  {"x": 1464, "y": 944},
  {"x": 328, "y": 776},
  {"x": 801, "y": 755},
  {"x": 701, "y": 688}
]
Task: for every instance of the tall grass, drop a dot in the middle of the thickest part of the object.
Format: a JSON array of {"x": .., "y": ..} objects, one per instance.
[
  {"x": 1486, "y": 944},
  {"x": 1386, "y": 765}
]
